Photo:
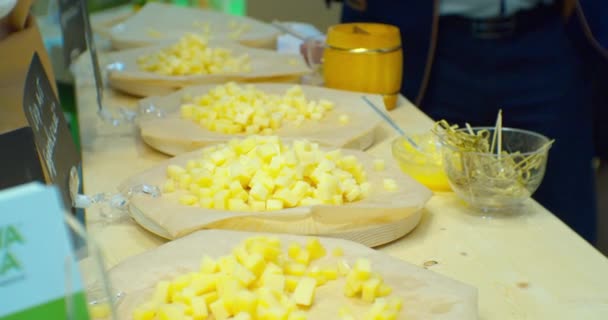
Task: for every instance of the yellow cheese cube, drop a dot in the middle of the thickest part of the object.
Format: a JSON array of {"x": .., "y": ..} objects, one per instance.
[
  {"x": 384, "y": 290},
  {"x": 338, "y": 252},
  {"x": 315, "y": 248},
  {"x": 220, "y": 199},
  {"x": 294, "y": 269},
  {"x": 161, "y": 293},
  {"x": 243, "y": 316},
  {"x": 210, "y": 297},
  {"x": 291, "y": 282},
  {"x": 199, "y": 308},
  {"x": 274, "y": 204},
  {"x": 246, "y": 302},
  {"x": 343, "y": 268},
  {"x": 171, "y": 312},
  {"x": 257, "y": 205},
  {"x": 289, "y": 198},
  {"x": 169, "y": 186},
  {"x": 206, "y": 203},
  {"x": 244, "y": 275},
  {"x": 101, "y": 311},
  {"x": 330, "y": 273},
  {"x": 294, "y": 250},
  {"x": 237, "y": 205},
  {"x": 227, "y": 264},
  {"x": 353, "y": 285},
  {"x": 379, "y": 164},
  {"x": 255, "y": 263},
  {"x": 208, "y": 265},
  {"x": 362, "y": 269},
  {"x": 219, "y": 311},
  {"x": 344, "y": 119},
  {"x": 175, "y": 171},
  {"x": 274, "y": 282},
  {"x": 144, "y": 314},
  {"x": 188, "y": 200},
  {"x": 369, "y": 289},
  {"x": 395, "y": 304},
  {"x": 184, "y": 181},
  {"x": 303, "y": 257},
  {"x": 305, "y": 291},
  {"x": 390, "y": 185}
]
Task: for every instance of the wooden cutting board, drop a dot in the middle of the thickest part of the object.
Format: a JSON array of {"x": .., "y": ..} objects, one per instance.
[
  {"x": 266, "y": 66},
  {"x": 425, "y": 294},
  {"x": 380, "y": 218},
  {"x": 157, "y": 22},
  {"x": 174, "y": 135}
]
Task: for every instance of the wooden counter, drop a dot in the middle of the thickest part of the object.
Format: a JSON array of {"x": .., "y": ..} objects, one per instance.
[{"x": 526, "y": 266}]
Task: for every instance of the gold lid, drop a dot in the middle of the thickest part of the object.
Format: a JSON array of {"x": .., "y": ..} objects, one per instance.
[{"x": 371, "y": 36}]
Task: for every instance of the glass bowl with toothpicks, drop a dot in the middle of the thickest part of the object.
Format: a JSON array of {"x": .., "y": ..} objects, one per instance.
[{"x": 493, "y": 168}]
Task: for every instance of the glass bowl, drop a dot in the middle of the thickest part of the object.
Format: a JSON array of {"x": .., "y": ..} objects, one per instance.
[
  {"x": 426, "y": 165},
  {"x": 489, "y": 181}
]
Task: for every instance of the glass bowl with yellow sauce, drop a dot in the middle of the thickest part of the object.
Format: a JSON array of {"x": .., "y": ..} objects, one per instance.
[{"x": 424, "y": 165}]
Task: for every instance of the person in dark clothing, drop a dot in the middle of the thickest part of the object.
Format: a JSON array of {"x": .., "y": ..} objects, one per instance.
[{"x": 535, "y": 59}]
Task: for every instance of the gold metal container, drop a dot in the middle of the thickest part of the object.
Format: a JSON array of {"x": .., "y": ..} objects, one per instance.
[{"x": 365, "y": 57}]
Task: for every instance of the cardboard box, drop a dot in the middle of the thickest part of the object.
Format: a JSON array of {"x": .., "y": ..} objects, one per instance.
[{"x": 17, "y": 47}]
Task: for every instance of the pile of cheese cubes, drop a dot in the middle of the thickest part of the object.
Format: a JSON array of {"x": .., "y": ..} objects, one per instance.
[
  {"x": 231, "y": 109},
  {"x": 259, "y": 280},
  {"x": 191, "y": 55},
  {"x": 263, "y": 173}
]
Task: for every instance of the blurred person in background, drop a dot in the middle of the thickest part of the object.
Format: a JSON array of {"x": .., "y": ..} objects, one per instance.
[{"x": 541, "y": 61}]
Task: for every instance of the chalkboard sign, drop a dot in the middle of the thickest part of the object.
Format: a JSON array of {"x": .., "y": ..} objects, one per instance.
[
  {"x": 21, "y": 163},
  {"x": 53, "y": 140},
  {"x": 71, "y": 17}
]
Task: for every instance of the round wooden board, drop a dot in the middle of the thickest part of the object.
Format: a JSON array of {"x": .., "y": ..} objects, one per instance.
[
  {"x": 370, "y": 236},
  {"x": 381, "y": 217},
  {"x": 266, "y": 66},
  {"x": 173, "y": 135},
  {"x": 157, "y": 22},
  {"x": 425, "y": 294}
]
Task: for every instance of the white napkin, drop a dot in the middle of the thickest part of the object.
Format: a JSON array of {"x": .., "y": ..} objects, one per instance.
[{"x": 6, "y": 6}]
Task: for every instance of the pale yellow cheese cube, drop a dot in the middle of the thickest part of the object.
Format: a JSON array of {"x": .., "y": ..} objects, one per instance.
[
  {"x": 274, "y": 282},
  {"x": 161, "y": 293},
  {"x": 390, "y": 185},
  {"x": 242, "y": 316},
  {"x": 369, "y": 288},
  {"x": 174, "y": 171},
  {"x": 144, "y": 314},
  {"x": 246, "y": 302},
  {"x": 305, "y": 291},
  {"x": 379, "y": 164},
  {"x": 344, "y": 119},
  {"x": 199, "y": 308},
  {"x": 188, "y": 200},
  {"x": 315, "y": 248},
  {"x": 255, "y": 263},
  {"x": 274, "y": 204},
  {"x": 218, "y": 310},
  {"x": 362, "y": 269},
  {"x": 169, "y": 186}
]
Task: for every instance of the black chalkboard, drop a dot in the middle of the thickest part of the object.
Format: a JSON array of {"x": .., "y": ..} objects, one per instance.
[
  {"x": 71, "y": 17},
  {"x": 21, "y": 163},
  {"x": 53, "y": 140}
]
